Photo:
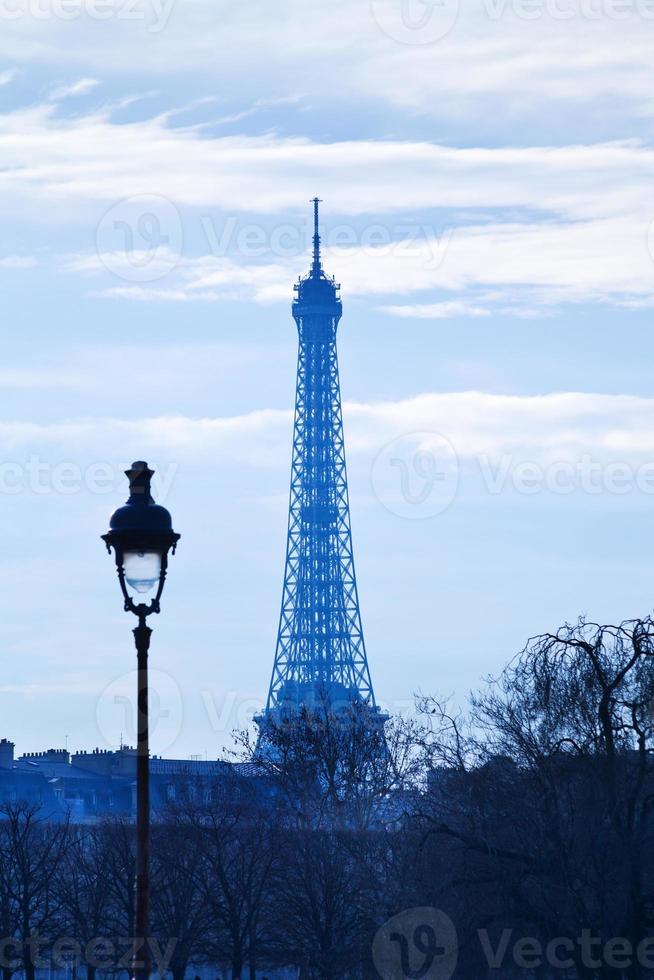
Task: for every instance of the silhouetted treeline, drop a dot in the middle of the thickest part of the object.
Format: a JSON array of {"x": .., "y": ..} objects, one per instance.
[{"x": 526, "y": 818}]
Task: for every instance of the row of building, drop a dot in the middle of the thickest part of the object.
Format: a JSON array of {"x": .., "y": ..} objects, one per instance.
[{"x": 89, "y": 786}]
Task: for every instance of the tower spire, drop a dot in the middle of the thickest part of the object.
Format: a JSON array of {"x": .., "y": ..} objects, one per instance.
[{"x": 317, "y": 267}]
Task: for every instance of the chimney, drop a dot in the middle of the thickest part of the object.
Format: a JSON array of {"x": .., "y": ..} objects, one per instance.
[{"x": 6, "y": 754}]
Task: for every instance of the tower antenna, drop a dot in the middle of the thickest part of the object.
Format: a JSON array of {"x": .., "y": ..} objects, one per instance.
[{"x": 317, "y": 269}]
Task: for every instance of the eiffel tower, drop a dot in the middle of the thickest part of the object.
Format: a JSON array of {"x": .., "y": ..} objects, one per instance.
[{"x": 321, "y": 653}]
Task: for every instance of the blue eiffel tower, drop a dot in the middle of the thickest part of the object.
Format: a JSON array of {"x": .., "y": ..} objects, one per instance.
[{"x": 321, "y": 653}]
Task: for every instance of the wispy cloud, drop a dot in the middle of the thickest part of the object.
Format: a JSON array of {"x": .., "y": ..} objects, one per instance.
[
  {"x": 533, "y": 218},
  {"x": 437, "y": 311},
  {"x": 574, "y": 58},
  {"x": 43, "y": 152},
  {"x": 81, "y": 87},
  {"x": 205, "y": 278},
  {"x": 16, "y": 378},
  {"x": 18, "y": 262},
  {"x": 518, "y": 270},
  {"x": 449, "y": 309},
  {"x": 547, "y": 427}
]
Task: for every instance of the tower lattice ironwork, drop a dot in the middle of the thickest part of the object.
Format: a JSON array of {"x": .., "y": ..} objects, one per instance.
[{"x": 321, "y": 653}]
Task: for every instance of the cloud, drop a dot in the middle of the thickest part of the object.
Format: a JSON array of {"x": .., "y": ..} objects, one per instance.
[
  {"x": 31, "y": 379},
  {"x": 437, "y": 311},
  {"x": 92, "y": 160},
  {"x": 604, "y": 259},
  {"x": 18, "y": 262},
  {"x": 572, "y": 54},
  {"x": 517, "y": 270},
  {"x": 8, "y": 76},
  {"x": 529, "y": 60},
  {"x": 205, "y": 278},
  {"x": 450, "y": 309},
  {"x": 461, "y": 218},
  {"x": 547, "y": 428},
  {"x": 144, "y": 294},
  {"x": 82, "y": 87},
  {"x": 84, "y": 374}
]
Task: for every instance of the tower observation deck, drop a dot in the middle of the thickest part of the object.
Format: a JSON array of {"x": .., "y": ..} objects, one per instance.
[{"x": 321, "y": 654}]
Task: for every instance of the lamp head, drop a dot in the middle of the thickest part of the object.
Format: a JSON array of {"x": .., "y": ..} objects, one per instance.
[{"x": 141, "y": 535}]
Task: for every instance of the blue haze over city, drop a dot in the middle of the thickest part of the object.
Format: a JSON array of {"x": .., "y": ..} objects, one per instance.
[{"x": 486, "y": 179}]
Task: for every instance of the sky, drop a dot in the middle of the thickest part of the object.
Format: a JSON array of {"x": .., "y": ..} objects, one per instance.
[{"x": 486, "y": 172}]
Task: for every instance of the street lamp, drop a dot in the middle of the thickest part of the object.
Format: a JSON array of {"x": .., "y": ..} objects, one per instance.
[{"x": 141, "y": 535}]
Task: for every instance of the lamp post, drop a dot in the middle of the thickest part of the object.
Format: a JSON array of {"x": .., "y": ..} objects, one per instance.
[{"x": 141, "y": 535}]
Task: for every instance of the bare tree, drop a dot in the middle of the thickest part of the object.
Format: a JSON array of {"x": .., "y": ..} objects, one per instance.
[
  {"x": 8, "y": 906},
  {"x": 180, "y": 913},
  {"x": 236, "y": 833},
  {"x": 119, "y": 875},
  {"x": 317, "y": 918},
  {"x": 337, "y": 768},
  {"x": 547, "y": 788},
  {"x": 37, "y": 850},
  {"x": 87, "y": 889},
  {"x": 340, "y": 779}
]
